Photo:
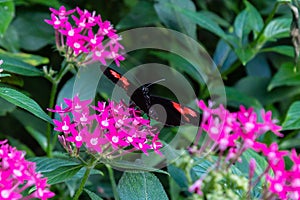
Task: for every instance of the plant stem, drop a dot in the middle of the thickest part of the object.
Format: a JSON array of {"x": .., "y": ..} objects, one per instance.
[
  {"x": 113, "y": 182},
  {"x": 82, "y": 184},
  {"x": 55, "y": 81},
  {"x": 49, "y": 128}
]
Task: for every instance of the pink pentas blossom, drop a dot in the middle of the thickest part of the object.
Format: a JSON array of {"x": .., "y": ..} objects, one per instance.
[
  {"x": 18, "y": 175},
  {"x": 84, "y": 33},
  {"x": 111, "y": 129}
]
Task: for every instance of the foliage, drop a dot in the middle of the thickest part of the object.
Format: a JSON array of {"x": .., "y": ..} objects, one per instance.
[{"x": 254, "y": 46}]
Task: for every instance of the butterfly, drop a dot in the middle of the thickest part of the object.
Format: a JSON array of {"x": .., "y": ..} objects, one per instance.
[{"x": 163, "y": 110}]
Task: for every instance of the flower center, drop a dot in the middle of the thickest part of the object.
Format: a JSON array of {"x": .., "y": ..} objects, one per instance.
[
  {"x": 5, "y": 193},
  {"x": 214, "y": 130},
  {"x": 65, "y": 127},
  {"x": 78, "y": 138},
  {"x": 278, "y": 187},
  {"x": 105, "y": 123},
  {"x": 71, "y": 33},
  {"x": 94, "y": 141},
  {"x": 115, "y": 139},
  {"x": 17, "y": 172},
  {"x": 77, "y": 45}
]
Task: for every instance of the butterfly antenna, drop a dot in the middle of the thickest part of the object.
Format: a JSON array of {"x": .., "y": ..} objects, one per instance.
[{"x": 163, "y": 79}]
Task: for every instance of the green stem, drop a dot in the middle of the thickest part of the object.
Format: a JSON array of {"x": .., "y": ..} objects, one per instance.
[
  {"x": 82, "y": 184},
  {"x": 49, "y": 127},
  {"x": 113, "y": 182},
  {"x": 55, "y": 81}
]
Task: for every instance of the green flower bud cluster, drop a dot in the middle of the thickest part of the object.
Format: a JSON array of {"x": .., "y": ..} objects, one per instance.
[{"x": 224, "y": 185}]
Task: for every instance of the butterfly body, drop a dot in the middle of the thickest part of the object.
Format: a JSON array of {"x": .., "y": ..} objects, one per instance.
[{"x": 161, "y": 109}]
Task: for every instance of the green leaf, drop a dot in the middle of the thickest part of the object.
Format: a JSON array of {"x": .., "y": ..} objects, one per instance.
[
  {"x": 256, "y": 87},
  {"x": 281, "y": 49},
  {"x": 131, "y": 166},
  {"x": 6, "y": 107},
  {"x": 248, "y": 20},
  {"x": 33, "y": 125},
  {"x": 180, "y": 64},
  {"x": 52, "y": 3},
  {"x": 142, "y": 14},
  {"x": 24, "y": 102},
  {"x": 235, "y": 98},
  {"x": 261, "y": 163},
  {"x": 17, "y": 66},
  {"x": 92, "y": 195},
  {"x": 21, "y": 146},
  {"x": 292, "y": 119},
  {"x": 44, "y": 164},
  {"x": 10, "y": 41},
  {"x": 35, "y": 33},
  {"x": 7, "y": 12},
  {"x": 62, "y": 174},
  {"x": 176, "y": 20},
  {"x": 142, "y": 185},
  {"x": 178, "y": 175},
  {"x": 204, "y": 22},
  {"x": 277, "y": 28},
  {"x": 286, "y": 76},
  {"x": 214, "y": 17},
  {"x": 30, "y": 59}
]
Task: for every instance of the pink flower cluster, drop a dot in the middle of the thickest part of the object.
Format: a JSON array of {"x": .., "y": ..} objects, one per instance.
[
  {"x": 18, "y": 175},
  {"x": 90, "y": 38},
  {"x": 235, "y": 132},
  {"x": 114, "y": 130}
]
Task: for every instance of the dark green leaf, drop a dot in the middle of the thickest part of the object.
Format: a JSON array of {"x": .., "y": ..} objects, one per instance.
[
  {"x": 131, "y": 166},
  {"x": 11, "y": 40},
  {"x": 92, "y": 195},
  {"x": 7, "y": 12},
  {"x": 292, "y": 119},
  {"x": 44, "y": 164},
  {"x": 180, "y": 64},
  {"x": 62, "y": 174},
  {"x": 33, "y": 125},
  {"x": 214, "y": 17},
  {"x": 30, "y": 59},
  {"x": 21, "y": 146},
  {"x": 52, "y": 3},
  {"x": 258, "y": 66},
  {"x": 142, "y": 14},
  {"x": 178, "y": 175},
  {"x": 285, "y": 76},
  {"x": 35, "y": 33},
  {"x": 204, "y": 22},
  {"x": 6, "y": 107},
  {"x": 17, "y": 66},
  {"x": 142, "y": 185},
  {"x": 235, "y": 98},
  {"x": 23, "y": 101},
  {"x": 176, "y": 20},
  {"x": 245, "y": 54},
  {"x": 281, "y": 49},
  {"x": 277, "y": 28},
  {"x": 261, "y": 163},
  {"x": 257, "y": 87}
]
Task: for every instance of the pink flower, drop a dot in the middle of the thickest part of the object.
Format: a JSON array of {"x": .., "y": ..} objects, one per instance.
[
  {"x": 113, "y": 129},
  {"x": 268, "y": 123},
  {"x": 196, "y": 187},
  {"x": 65, "y": 125},
  {"x": 18, "y": 175},
  {"x": 87, "y": 34},
  {"x": 62, "y": 12}
]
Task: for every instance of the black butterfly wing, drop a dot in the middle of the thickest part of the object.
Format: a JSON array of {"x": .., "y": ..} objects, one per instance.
[
  {"x": 138, "y": 95},
  {"x": 161, "y": 109},
  {"x": 172, "y": 113}
]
